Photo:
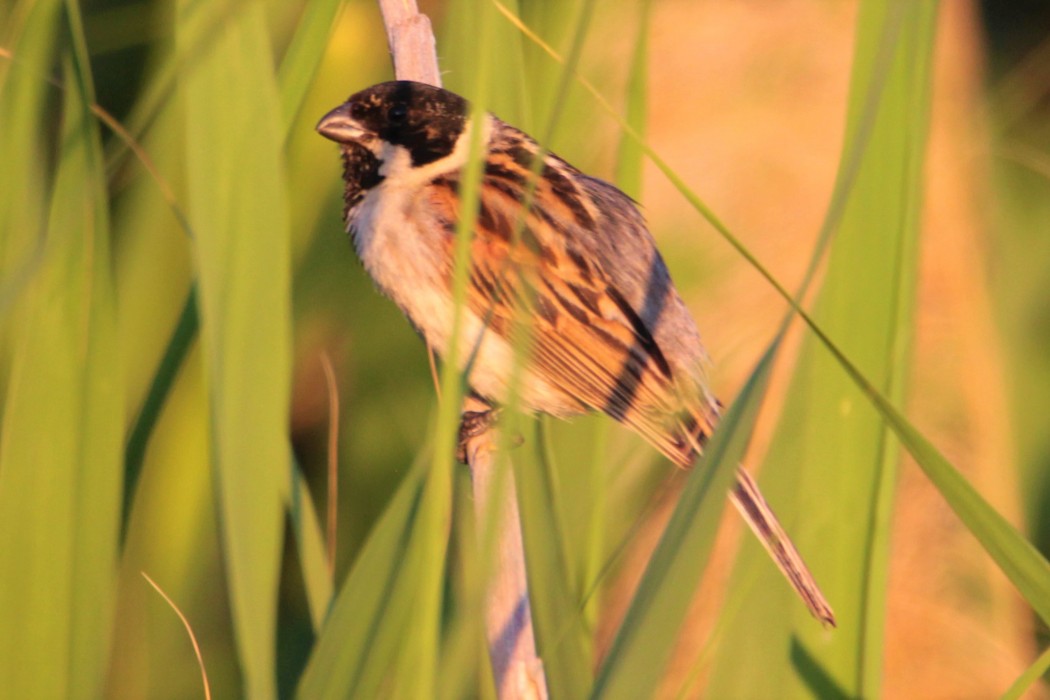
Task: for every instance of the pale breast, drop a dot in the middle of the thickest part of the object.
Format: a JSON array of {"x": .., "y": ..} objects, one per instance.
[
  {"x": 407, "y": 263},
  {"x": 405, "y": 250}
]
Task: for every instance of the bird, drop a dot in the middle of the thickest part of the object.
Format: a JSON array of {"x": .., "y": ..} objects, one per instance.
[{"x": 571, "y": 254}]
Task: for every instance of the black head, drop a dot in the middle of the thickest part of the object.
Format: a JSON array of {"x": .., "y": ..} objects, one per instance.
[{"x": 423, "y": 119}]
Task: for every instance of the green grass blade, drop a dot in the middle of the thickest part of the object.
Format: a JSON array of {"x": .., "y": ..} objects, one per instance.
[
  {"x": 417, "y": 669},
  {"x": 239, "y": 216},
  {"x": 630, "y": 156},
  {"x": 630, "y": 161},
  {"x": 300, "y": 62},
  {"x": 60, "y": 450},
  {"x": 178, "y": 347},
  {"x": 562, "y": 639},
  {"x": 834, "y": 461},
  {"x": 418, "y": 662},
  {"x": 306, "y": 528},
  {"x": 1027, "y": 679},
  {"x": 1015, "y": 556},
  {"x": 23, "y": 199},
  {"x": 1018, "y": 558},
  {"x": 459, "y": 56},
  {"x": 914, "y": 91},
  {"x": 566, "y": 506},
  {"x": 297, "y": 70},
  {"x": 636, "y": 661},
  {"x": 354, "y": 639}
]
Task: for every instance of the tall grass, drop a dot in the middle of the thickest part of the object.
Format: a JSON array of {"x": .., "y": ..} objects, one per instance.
[{"x": 165, "y": 292}]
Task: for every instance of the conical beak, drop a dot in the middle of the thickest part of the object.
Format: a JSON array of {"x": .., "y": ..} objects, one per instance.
[{"x": 339, "y": 127}]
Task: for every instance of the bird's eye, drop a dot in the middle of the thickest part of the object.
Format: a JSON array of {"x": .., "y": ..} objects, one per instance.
[{"x": 397, "y": 114}]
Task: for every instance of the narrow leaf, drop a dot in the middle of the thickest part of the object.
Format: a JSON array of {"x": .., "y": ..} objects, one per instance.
[
  {"x": 304, "y": 56},
  {"x": 352, "y": 640},
  {"x": 630, "y": 156},
  {"x": 1027, "y": 679},
  {"x": 239, "y": 216},
  {"x": 306, "y": 528},
  {"x": 60, "y": 440},
  {"x": 832, "y": 465},
  {"x": 636, "y": 661}
]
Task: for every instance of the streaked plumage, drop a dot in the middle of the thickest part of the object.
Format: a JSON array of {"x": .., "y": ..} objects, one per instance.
[{"x": 608, "y": 330}]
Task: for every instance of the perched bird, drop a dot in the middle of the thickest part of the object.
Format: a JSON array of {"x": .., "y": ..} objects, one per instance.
[{"x": 607, "y": 331}]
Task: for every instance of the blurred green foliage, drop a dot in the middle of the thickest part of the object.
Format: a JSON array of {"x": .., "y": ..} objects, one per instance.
[{"x": 217, "y": 204}]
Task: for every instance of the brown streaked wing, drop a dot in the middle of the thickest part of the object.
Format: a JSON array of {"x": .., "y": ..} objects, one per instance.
[{"x": 586, "y": 340}]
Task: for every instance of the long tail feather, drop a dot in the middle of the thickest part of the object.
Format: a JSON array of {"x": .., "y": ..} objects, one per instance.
[
  {"x": 760, "y": 518},
  {"x": 683, "y": 445},
  {"x": 682, "y": 442}
]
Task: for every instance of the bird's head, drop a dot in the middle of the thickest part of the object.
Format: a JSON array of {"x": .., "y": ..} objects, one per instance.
[{"x": 422, "y": 121}]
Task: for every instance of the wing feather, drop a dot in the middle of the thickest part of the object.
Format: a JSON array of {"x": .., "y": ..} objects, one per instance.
[{"x": 587, "y": 337}]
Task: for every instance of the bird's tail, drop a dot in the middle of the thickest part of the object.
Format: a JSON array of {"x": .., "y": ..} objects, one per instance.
[
  {"x": 763, "y": 522},
  {"x": 683, "y": 448}
]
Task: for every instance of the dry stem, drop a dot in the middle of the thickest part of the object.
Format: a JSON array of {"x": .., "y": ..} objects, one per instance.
[{"x": 517, "y": 669}]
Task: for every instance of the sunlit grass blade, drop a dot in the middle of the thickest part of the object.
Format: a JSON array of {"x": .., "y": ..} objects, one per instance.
[
  {"x": 562, "y": 639},
  {"x": 833, "y": 461},
  {"x": 564, "y": 493},
  {"x": 465, "y": 667},
  {"x": 629, "y": 176},
  {"x": 304, "y": 55},
  {"x": 60, "y": 451},
  {"x": 239, "y": 217},
  {"x": 1026, "y": 680},
  {"x": 178, "y": 347},
  {"x": 311, "y": 545},
  {"x": 297, "y": 69},
  {"x": 25, "y": 63},
  {"x": 637, "y": 659},
  {"x": 418, "y": 661},
  {"x": 370, "y": 611},
  {"x": 630, "y": 156},
  {"x": 1018, "y": 558},
  {"x": 459, "y": 51}
]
